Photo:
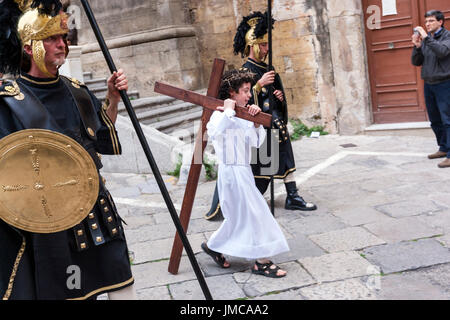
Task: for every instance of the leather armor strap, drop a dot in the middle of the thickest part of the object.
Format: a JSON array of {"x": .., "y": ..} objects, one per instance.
[
  {"x": 86, "y": 108},
  {"x": 80, "y": 237},
  {"x": 30, "y": 111},
  {"x": 94, "y": 228}
]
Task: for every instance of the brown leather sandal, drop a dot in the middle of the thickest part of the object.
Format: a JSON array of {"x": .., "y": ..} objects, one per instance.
[
  {"x": 266, "y": 270},
  {"x": 217, "y": 257}
]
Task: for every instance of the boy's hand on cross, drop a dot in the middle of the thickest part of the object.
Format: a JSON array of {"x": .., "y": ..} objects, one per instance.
[
  {"x": 228, "y": 104},
  {"x": 254, "y": 110}
]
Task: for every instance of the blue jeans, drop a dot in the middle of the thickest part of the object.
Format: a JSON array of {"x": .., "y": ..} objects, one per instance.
[{"x": 437, "y": 99}]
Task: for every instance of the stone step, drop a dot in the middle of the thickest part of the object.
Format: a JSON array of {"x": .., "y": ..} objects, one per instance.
[
  {"x": 186, "y": 132},
  {"x": 99, "y": 90},
  {"x": 164, "y": 113},
  {"x": 169, "y": 125},
  {"x": 87, "y": 76},
  {"x": 145, "y": 104},
  {"x": 133, "y": 95},
  {"x": 95, "y": 83}
]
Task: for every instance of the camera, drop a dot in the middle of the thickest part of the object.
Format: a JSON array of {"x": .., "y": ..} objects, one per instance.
[{"x": 416, "y": 31}]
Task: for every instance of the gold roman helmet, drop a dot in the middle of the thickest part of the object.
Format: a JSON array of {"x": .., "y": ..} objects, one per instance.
[
  {"x": 252, "y": 41},
  {"x": 251, "y": 32},
  {"x": 37, "y": 20},
  {"x": 34, "y": 27}
]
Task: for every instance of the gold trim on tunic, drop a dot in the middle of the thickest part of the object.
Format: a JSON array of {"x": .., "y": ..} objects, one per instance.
[
  {"x": 277, "y": 177},
  {"x": 14, "y": 271},
  {"x": 101, "y": 290}
]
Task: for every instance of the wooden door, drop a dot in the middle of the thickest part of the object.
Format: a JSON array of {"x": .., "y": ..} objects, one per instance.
[
  {"x": 442, "y": 5},
  {"x": 396, "y": 87}
]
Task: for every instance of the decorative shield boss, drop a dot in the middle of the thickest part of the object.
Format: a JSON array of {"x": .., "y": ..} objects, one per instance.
[{"x": 48, "y": 182}]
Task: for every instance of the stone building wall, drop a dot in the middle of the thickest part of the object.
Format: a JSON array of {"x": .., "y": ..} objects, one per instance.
[
  {"x": 151, "y": 40},
  {"x": 318, "y": 50}
]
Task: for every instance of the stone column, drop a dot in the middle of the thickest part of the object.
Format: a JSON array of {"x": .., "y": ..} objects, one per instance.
[
  {"x": 348, "y": 51},
  {"x": 73, "y": 67}
]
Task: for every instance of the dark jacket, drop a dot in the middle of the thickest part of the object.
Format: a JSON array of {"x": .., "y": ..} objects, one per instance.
[{"x": 434, "y": 57}]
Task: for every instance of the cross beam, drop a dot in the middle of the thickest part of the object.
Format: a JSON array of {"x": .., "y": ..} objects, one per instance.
[{"x": 209, "y": 104}]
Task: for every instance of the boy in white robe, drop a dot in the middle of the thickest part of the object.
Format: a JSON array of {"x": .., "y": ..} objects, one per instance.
[{"x": 249, "y": 230}]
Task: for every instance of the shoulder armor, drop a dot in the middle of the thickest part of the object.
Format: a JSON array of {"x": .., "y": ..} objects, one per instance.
[
  {"x": 11, "y": 89},
  {"x": 76, "y": 83}
]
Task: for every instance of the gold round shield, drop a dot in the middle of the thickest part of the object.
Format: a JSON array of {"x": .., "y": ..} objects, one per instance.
[{"x": 48, "y": 182}]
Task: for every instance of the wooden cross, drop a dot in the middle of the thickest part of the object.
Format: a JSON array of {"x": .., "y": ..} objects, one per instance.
[{"x": 209, "y": 104}]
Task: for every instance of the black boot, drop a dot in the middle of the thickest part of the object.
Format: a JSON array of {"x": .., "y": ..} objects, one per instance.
[
  {"x": 214, "y": 213},
  {"x": 294, "y": 201}
]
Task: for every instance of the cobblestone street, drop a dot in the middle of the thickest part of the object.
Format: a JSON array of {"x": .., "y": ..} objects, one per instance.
[{"x": 381, "y": 231}]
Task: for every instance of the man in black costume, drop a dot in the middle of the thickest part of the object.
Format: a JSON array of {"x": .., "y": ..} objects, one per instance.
[
  {"x": 38, "y": 265},
  {"x": 251, "y": 41}
]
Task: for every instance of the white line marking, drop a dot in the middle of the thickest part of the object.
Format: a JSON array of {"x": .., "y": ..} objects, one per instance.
[
  {"x": 339, "y": 156},
  {"x": 143, "y": 203}
]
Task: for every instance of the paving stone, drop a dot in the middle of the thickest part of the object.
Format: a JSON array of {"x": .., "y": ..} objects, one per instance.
[
  {"x": 337, "y": 266},
  {"x": 283, "y": 296},
  {"x": 202, "y": 225},
  {"x": 360, "y": 215},
  {"x": 441, "y": 198},
  {"x": 157, "y": 293},
  {"x": 256, "y": 285},
  {"x": 439, "y": 275},
  {"x": 346, "y": 193},
  {"x": 408, "y": 255},
  {"x": 155, "y": 274},
  {"x": 402, "y": 191},
  {"x": 396, "y": 230},
  {"x": 191, "y": 290},
  {"x": 346, "y": 239},
  {"x": 313, "y": 224},
  {"x": 419, "y": 176},
  {"x": 445, "y": 240},
  {"x": 338, "y": 194},
  {"x": 409, "y": 286},
  {"x": 126, "y": 192},
  {"x": 350, "y": 289},
  {"x": 151, "y": 187},
  {"x": 300, "y": 246},
  {"x": 436, "y": 187},
  {"x": 161, "y": 249},
  {"x": 439, "y": 221},
  {"x": 210, "y": 268},
  {"x": 410, "y": 207},
  {"x": 151, "y": 233}
]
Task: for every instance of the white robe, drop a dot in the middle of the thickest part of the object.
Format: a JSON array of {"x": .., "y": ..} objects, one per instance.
[{"x": 249, "y": 229}]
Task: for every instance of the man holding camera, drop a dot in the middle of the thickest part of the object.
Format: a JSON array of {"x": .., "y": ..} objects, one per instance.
[{"x": 432, "y": 52}]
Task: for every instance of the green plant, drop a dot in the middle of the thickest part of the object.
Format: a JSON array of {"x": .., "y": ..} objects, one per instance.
[
  {"x": 176, "y": 172},
  {"x": 300, "y": 129},
  {"x": 211, "y": 173}
]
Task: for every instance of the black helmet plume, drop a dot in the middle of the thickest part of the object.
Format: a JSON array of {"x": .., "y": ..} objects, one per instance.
[
  {"x": 48, "y": 7},
  {"x": 10, "y": 45},
  {"x": 261, "y": 29}
]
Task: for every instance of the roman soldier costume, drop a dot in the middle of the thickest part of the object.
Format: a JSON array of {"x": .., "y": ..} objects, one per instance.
[
  {"x": 56, "y": 215},
  {"x": 251, "y": 32}
]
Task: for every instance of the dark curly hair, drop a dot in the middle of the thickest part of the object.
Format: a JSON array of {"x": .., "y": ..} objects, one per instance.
[{"x": 233, "y": 80}]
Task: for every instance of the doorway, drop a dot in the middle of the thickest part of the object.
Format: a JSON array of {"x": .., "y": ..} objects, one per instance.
[{"x": 396, "y": 86}]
